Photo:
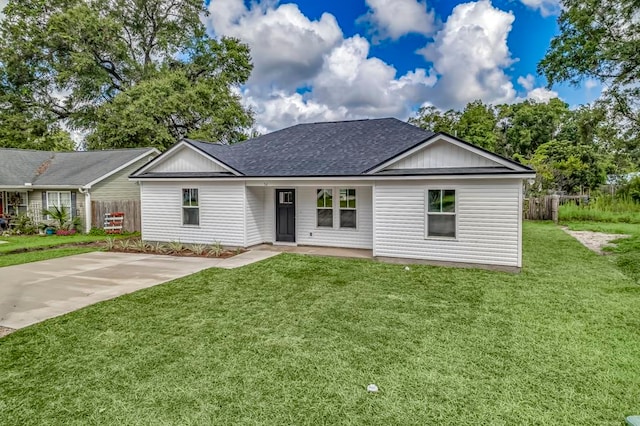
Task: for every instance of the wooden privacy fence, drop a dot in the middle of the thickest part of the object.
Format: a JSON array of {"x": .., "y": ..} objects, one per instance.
[
  {"x": 541, "y": 208},
  {"x": 546, "y": 208},
  {"x": 130, "y": 208}
]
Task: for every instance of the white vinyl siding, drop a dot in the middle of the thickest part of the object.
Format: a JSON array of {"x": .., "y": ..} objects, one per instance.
[
  {"x": 442, "y": 154},
  {"x": 256, "y": 230},
  {"x": 488, "y": 224},
  {"x": 222, "y": 216},
  {"x": 187, "y": 159},
  {"x": 308, "y": 233}
]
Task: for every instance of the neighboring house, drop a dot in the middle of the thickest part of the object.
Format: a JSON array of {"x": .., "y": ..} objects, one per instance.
[
  {"x": 31, "y": 181},
  {"x": 382, "y": 185}
]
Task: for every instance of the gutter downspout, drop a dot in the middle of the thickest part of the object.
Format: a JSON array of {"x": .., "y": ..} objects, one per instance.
[{"x": 87, "y": 208}]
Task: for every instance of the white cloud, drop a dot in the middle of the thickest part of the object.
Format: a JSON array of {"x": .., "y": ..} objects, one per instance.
[
  {"x": 527, "y": 82},
  {"x": 396, "y": 18},
  {"x": 546, "y": 7},
  {"x": 305, "y": 70},
  {"x": 470, "y": 53},
  {"x": 291, "y": 52},
  {"x": 281, "y": 109},
  {"x": 538, "y": 94},
  {"x": 590, "y": 84},
  {"x": 367, "y": 86},
  {"x": 286, "y": 47},
  {"x": 541, "y": 94}
]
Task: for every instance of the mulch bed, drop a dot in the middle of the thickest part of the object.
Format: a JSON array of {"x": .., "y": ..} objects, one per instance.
[{"x": 224, "y": 255}]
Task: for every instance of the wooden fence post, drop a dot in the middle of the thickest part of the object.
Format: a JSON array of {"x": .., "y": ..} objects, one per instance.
[{"x": 555, "y": 205}]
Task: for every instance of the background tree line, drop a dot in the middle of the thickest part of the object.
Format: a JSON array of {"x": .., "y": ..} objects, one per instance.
[
  {"x": 572, "y": 150},
  {"x": 131, "y": 73}
]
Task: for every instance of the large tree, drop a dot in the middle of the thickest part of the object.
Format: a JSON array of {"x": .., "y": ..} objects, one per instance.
[
  {"x": 600, "y": 39},
  {"x": 127, "y": 72},
  {"x": 524, "y": 126},
  {"x": 477, "y": 124}
]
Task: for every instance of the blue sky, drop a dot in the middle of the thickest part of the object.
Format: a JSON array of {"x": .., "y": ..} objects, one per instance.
[
  {"x": 331, "y": 60},
  {"x": 319, "y": 60}
]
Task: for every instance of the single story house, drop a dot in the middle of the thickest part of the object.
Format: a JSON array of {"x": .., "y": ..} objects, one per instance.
[
  {"x": 31, "y": 180},
  {"x": 382, "y": 185}
]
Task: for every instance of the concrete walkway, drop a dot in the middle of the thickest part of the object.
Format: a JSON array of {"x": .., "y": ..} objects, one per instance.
[{"x": 33, "y": 292}]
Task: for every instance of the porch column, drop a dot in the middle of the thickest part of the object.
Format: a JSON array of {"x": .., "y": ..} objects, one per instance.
[{"x": 87, "y": 210}]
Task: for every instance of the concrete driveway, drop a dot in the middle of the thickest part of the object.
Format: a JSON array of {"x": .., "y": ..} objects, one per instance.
[{"x": 33, "y": 292}]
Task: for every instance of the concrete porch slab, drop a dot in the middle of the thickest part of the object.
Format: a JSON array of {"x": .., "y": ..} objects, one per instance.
[{"x": 317, "y": 251}]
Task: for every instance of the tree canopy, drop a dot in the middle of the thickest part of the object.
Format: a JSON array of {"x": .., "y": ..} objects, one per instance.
[
  {"x": 125, "y": 72},
  {"x": 572, "y": 150},
  {"x": 600, "y": 40}
]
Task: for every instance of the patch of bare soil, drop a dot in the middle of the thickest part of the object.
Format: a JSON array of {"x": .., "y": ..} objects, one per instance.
[
  {"x": 5, "y": 330},
  {"x": 595, "y": 241}
]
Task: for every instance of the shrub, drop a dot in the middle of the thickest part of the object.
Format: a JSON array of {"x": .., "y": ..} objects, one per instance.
[
  {"x": 216, "y": 249},
  {"x": 24, "y": 225},
  {"x": 97, "y": 232}
]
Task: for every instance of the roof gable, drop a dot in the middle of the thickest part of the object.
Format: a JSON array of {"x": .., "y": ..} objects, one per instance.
[
  {"x": 443, "y": 151},
  {"x": 184, "y": 158}
]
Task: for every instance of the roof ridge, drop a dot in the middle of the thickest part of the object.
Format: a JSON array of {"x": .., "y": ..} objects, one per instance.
[
  {"x": 76, "y": 151},
  {"x": 349, "y": 121}
]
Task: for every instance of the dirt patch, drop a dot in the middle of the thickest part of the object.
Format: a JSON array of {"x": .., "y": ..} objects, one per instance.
[
  {"x": 5, "y": 330},
  {"x": 595, "y": 241}
]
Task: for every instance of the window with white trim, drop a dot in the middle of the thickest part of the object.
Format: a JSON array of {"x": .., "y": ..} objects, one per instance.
[
  {"x": 60, "y": 200},
  {"x": 190, "y": 207},
  {"x": 348, "y": 212},
  {"x": 324, "y": 208},
  {"x": 441, "y": 213}
]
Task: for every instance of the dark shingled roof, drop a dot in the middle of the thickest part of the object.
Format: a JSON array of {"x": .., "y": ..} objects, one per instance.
[
  {"x": 345, "y": 148},
  {"x": 48, "y": 168}
]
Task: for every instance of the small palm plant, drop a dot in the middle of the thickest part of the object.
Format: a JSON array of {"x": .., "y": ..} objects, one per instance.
[{"x": 61, "y": 217}]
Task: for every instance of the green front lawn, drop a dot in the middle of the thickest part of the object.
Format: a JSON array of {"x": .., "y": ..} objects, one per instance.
[
  {"x": 296, "y": 340},
  {"x": 29, "y": 242},
  {"x": 35, "y": 256}
]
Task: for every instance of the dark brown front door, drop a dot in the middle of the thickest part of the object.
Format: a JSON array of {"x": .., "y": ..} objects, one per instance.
[{"x": 286, "y": 215}]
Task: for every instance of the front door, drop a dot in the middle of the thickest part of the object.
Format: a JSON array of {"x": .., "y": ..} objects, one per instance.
[{"x": 286, "y": 215}]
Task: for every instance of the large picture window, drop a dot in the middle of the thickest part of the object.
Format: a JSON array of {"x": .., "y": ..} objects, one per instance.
[
  {"x": 190, "y": 207},
  {"x": 325, "y": 208},
  {"x": 60, "y": 199},
  {"x": 441, "y": 213},
  {"x": 348, "y": 208}
]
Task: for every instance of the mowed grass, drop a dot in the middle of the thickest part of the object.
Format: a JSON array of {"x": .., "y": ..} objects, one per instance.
[
  {"x": 626, "y": 251},
  {"x": 296, "y": 340},
  {"x": 35, "y": 256},
  {"x": 30, "y": 242}
]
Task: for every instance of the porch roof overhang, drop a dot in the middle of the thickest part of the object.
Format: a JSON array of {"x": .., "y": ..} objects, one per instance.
[{"x": 37, "y": 187}]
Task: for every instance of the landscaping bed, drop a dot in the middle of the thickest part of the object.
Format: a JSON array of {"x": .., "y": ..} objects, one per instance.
[{"x": 136, "y": 245}]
